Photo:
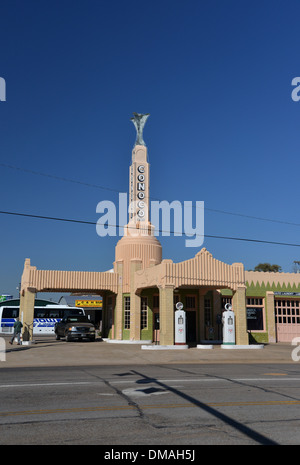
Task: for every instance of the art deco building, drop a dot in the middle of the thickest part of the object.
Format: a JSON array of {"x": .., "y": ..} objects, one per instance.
[{"x": 139, "y": 296}]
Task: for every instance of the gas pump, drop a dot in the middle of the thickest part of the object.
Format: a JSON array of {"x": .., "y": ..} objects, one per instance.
[
  {"x": 228, "y": 320},
  {"x": 180, "y": 325}
]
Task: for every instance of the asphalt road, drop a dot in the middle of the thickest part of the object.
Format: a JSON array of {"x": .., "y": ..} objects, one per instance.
[{"x": 152, "y": 405}]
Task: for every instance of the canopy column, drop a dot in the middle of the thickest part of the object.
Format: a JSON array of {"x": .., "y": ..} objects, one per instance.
[
  {"x": 135, "y": 302},
  {"x": 239, "y": 308},
  {"x": 27, "y": 299},
  {"x": 166, "y": 310}
]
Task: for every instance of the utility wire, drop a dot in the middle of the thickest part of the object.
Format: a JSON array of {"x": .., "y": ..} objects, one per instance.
[
  {"x": 59, "y": 178},
  {"x": 159, "y": 230},
  {"x": 97, "y": 186}
]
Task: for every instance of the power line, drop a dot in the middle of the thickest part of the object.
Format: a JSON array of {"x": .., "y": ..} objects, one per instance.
[
  {"x": 159, "y": 230},
  {"x": 253, "y": 217},
  {"x": 58, "y": 178},
  {"x": 97, "y": 186}
]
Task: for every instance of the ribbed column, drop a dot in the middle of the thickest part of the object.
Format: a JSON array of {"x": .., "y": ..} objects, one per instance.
[
  {"x": 166, "y": 315},
  {"x": 201, "y": 314},
  {"x": 239, "y": 308},
  {"x": 135, "y": 303},
  {"x": 27, "y": 299},
  {"x": 271, "y": 316},
  {"x": 119, "y": 302}
]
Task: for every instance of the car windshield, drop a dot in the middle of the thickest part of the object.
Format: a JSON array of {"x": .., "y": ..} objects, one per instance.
[{"x": 77, "y": 319}]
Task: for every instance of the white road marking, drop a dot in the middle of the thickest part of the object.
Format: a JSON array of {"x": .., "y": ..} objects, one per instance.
[{"x": 146, "y": 383}]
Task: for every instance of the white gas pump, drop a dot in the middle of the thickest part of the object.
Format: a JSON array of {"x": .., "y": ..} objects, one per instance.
[
  {"x": 180, "y": 325},
  {"x": 228, "y": 320}
]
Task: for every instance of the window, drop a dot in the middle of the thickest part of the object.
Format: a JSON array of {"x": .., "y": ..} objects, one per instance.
[
  {"x": 77, "y": 319},
  {"x": 72, "y": 311},
  {"x": 109, "y": 301},
  {"x": 54, "y": 313},
  {"x": 156, "y": 301},
  {"x": 190, "y": 302},
  {"x": 255, "y": 313},
  {"x": 126, "y": 312},
  {"x": 41, "y": 313},
  {"x": 226, "y": 300},
  {"x": 207, "y": 312},
  {"x": 255, "y": 301},
  {"x": 10, "y": 312},
  {"x": 176, "y": 299},
  {"x": 287, "y": 311},
  {"x": 144, "y": 312}
]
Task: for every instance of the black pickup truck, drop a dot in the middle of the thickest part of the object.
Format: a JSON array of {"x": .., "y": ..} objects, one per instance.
[{"x": 74, "y": 327}]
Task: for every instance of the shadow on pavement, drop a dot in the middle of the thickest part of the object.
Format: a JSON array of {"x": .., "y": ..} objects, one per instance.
[{"x": 259, "y": 438}]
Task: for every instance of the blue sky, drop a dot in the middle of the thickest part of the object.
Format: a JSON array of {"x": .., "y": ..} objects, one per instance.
[{"x": 216, "y": 79}]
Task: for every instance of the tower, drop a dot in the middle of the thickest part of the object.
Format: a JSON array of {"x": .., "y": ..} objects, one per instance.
[
  {"x": 139, "y": 184},
  {"x": 138, "y": 248}
]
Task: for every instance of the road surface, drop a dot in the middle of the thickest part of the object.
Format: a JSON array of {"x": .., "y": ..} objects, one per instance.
[{"x": 152, "y": 405}]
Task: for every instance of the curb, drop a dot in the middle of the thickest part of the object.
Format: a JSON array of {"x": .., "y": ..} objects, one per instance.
[{"x": 157, "y": 347}]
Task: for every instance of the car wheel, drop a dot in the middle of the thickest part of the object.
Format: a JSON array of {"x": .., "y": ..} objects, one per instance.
[
  {"x": 57, "y": 337},
  {"x": 68, "y": 339},
  {"x": 92, "y": 339}
]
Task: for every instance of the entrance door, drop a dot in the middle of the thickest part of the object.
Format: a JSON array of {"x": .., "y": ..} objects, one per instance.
[
  {"x": 191, "y": 326},
  {"x": 287, "y": 318},
  {"x": 156, "y": 327}
]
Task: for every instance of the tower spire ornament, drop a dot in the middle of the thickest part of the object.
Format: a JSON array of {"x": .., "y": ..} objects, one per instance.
[{"x": 139, "y": 121}]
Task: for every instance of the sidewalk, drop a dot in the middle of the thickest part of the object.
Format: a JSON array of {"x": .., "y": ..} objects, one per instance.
[{"x": 49, "y": 352}]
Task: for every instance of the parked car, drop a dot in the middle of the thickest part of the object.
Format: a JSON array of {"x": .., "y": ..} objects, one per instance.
[{"x": 74, "y": 327}]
